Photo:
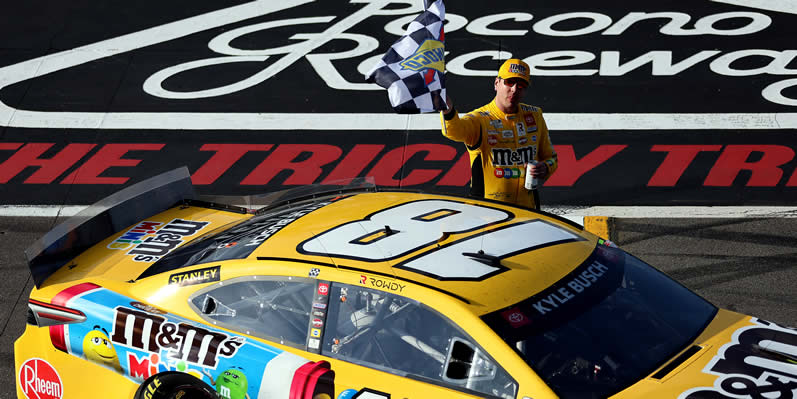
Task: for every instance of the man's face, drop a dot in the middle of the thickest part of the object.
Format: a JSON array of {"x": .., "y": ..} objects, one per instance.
[{"x": 509, "y": 93}]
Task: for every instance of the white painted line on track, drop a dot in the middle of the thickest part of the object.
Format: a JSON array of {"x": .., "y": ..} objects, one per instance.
[
  {"x": 786, "y": 6},
  {"x": 39, "y": 211},
  {"x": 344, "y": 123},
  {"x": 570, "y": 212}
]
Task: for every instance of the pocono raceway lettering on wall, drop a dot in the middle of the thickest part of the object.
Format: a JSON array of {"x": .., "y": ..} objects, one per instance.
[{"x": 552, "y": 63}]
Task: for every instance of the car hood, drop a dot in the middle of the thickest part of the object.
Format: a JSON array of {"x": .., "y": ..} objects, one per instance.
[{"x": 736, "y": 356}]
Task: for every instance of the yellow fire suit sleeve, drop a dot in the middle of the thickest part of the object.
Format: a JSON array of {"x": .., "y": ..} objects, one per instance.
[{"x": 465, "y": 130}]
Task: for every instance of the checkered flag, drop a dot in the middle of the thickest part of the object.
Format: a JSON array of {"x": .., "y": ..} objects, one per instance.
[{"x": 412, "y": 69}]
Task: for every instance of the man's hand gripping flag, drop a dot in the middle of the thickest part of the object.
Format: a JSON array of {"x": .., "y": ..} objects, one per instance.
[{"x": 412, "y": 69}]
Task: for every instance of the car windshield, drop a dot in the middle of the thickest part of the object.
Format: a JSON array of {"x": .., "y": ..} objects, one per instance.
[{"x": 609, "y": 323}]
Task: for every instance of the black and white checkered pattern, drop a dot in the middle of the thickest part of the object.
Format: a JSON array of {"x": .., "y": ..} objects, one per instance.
[{"x": 407, "y": 89}]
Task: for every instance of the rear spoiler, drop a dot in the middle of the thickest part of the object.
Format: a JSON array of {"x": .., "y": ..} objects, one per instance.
[{"x": 106, "y": 217}]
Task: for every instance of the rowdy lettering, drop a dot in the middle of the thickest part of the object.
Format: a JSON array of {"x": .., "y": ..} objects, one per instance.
[{"x": 384, "y": 284}]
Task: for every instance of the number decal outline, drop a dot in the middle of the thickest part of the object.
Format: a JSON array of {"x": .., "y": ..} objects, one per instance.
[
  {"x": 415, "y": 229},
  {"x": 498, "y": 267},
  {"x": 358, "y": 240}
]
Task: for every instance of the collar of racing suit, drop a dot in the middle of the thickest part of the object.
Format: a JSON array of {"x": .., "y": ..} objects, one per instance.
[{"x": 494, "y": 110}]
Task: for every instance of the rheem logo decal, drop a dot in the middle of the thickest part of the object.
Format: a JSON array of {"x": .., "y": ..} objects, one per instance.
[{"x": 39, "y": 380}]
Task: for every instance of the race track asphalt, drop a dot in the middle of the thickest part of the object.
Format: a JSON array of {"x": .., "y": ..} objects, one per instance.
[{"x": 742, "y": 264}]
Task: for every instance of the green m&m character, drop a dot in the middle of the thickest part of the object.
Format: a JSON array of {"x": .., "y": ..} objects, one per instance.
[{"x": 230, "y": 384}]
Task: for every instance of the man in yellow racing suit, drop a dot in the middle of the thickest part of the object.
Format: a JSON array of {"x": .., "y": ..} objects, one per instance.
[{"x": 502, "y": 137}]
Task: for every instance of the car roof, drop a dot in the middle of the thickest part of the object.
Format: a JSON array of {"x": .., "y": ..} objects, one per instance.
[{"x": 487, "y": 254}]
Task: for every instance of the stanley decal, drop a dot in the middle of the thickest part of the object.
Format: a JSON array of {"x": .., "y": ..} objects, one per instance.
[{"x": 198, "y": 276}]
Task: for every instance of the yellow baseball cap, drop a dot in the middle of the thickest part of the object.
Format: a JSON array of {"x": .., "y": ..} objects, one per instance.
[{"x": 514, "y": 68}]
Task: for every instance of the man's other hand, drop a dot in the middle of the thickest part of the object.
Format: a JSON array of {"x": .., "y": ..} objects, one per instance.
[{"x": 540, "y": 170}]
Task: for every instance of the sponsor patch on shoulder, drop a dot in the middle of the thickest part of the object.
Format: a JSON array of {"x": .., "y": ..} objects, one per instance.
[{"x": 529, "y": 108}]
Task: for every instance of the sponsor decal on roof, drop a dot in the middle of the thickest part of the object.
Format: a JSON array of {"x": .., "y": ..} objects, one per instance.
[{"x": 149, "y": 241}]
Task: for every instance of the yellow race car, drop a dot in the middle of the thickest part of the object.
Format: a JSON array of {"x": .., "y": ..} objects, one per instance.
[{"x": 359, "y": 292}]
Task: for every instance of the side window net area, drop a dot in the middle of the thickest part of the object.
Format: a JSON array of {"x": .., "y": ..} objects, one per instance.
[
  {"x": 401, "y": 336},
  {"x": 269, "y": 307}
]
